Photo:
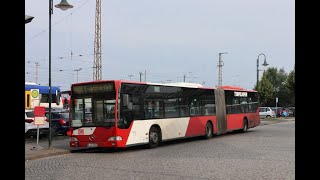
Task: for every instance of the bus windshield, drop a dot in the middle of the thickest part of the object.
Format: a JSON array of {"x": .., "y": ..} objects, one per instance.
[{"x": 94, "y": 109}]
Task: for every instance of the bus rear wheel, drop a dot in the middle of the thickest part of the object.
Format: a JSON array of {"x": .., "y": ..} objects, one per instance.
[
  {"x": 209, "y": 131},
  {"x": 154, "y": 137},
  {"x": 245, "y": 126}
]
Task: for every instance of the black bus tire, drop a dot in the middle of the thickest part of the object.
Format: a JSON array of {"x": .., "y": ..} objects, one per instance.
[
  {"x": 245, "y": 126},
  {"x": 209, "y": 130},
  {"x": 154, "y": 137}
]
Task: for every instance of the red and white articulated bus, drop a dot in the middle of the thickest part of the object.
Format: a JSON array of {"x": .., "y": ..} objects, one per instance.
[{"x": 119, "y": 114}]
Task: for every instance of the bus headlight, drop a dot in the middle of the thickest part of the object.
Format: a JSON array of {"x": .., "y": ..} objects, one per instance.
[
  {"x": 115, "y": 138},
  {"x": 74, "y": 139}
]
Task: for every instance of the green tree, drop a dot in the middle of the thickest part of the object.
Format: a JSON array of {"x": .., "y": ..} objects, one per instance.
[
  {"x": 278, "y": 77},
  {"x": 291, "y": 87},
  {"x": 265, "y": 89}
]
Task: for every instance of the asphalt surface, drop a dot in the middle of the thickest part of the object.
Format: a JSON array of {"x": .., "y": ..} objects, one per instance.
[
  {"x": 264, "y": 152},
  {"x": 60, "y": 144}
]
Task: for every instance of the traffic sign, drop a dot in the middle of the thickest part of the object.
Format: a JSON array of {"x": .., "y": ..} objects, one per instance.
[
  {"x": 39, "y": 115},
  {"x": 34, "y": 93}
]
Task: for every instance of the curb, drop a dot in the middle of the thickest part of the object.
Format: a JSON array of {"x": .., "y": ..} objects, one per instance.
[
  {"x": 48, "y": 154},
  {"x": 278, "y": 119},
  {"x": 274, "y": 121}
]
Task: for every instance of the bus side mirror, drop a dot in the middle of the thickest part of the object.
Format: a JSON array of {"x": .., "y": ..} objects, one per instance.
[
  {"x": 125, "y": 100},
  {"x": 58, "y": 96}
]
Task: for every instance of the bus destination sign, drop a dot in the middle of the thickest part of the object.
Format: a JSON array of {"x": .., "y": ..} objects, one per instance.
[
  {"x": 240, "y": 94},
  {"x": 93, "y": 88}
]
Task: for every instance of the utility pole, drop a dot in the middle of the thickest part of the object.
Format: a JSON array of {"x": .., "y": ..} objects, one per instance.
[
  {"x": 184, "y": 78},
  {"x": 97, "y": 74},
  {"x": 130, "y": 76},
  {"x": 140, "y": 75},
  {"x": 37, "y": 65},
  {"x": 220, "y": 69},
  {"x": 145, "y": 75},
  {"x": 77, "y": 72},
  {"x": 190, "y": 77}
]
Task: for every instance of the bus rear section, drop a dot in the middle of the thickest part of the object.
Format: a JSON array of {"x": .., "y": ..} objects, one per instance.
[{"x": 242, "y": 108}]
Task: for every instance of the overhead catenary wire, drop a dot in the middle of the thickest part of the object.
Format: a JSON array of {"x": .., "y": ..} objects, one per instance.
[{"x": 63, "y": 18}]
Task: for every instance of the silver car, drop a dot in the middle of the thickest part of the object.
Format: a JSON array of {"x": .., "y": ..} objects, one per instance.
[
  {"x": 266, "y": 112},
  {"x": 30, "y": 128}
]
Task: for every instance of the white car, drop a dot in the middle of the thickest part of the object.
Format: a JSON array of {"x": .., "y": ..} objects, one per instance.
[
  {"x": 266, "y": 112},
  {"x": 31, "y": 129}
]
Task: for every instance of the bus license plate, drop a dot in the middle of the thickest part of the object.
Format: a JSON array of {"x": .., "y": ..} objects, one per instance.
[{"x": 92, "y": 145}]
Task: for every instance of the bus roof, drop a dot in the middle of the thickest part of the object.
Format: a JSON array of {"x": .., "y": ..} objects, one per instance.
[
  {"x": 236, "y": 88},
  {"x": 177, "y": 84}
]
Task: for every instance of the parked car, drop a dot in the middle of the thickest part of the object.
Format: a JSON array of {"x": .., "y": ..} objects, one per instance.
[
  {"x": 56, "y": 109},
  {"x": 284, "y": 113},
  {"x": 291, "y": 111},
  {"x": 278, "y": 111},
  {"x": 30, "y": 128},
  {"x": 266, "y": 112},
  {"x": 59, "y": 122},
  {"x": 287, "y": 112}
]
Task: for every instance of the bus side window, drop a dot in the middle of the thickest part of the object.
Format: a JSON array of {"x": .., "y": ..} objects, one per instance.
[
  {"x": 244, "y": 105},
  {"x": 195, "y": 107},
  {"x": 183, "y": 107},
  {"x": 147, "y": 109},
  {"x": 236, "y": 105},
  {"x": 192, "y": 111}
]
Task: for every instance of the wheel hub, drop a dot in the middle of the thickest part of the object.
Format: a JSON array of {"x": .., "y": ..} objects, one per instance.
[
  {"x": 154, "y": 137},
  {"x": 208, "y": 130}
]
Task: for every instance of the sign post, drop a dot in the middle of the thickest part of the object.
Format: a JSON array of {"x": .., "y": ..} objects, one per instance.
[{"x": 39, "y": 118}]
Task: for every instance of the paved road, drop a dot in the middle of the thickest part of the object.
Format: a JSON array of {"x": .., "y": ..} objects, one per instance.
[{"x": 265, "y": 152}]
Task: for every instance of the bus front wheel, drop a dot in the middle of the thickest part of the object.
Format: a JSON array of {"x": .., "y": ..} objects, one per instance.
[{"x": 154, "y": 137}]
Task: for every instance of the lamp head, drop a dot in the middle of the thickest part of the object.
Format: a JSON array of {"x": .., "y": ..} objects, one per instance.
[
  {"x": 265, "y": 63},
  {"x": 63, "y": 5},
  {"x": 28, "y": 19}
]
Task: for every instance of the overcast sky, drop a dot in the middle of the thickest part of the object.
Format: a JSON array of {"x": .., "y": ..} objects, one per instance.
[{"x": 169, "y": 39}]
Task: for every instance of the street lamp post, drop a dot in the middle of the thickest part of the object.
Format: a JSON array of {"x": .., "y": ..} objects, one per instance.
[
  {"x": 264, "y": 64},
  {"x": 63, "y": 5},
  {"x": 77, "y": 72}
]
